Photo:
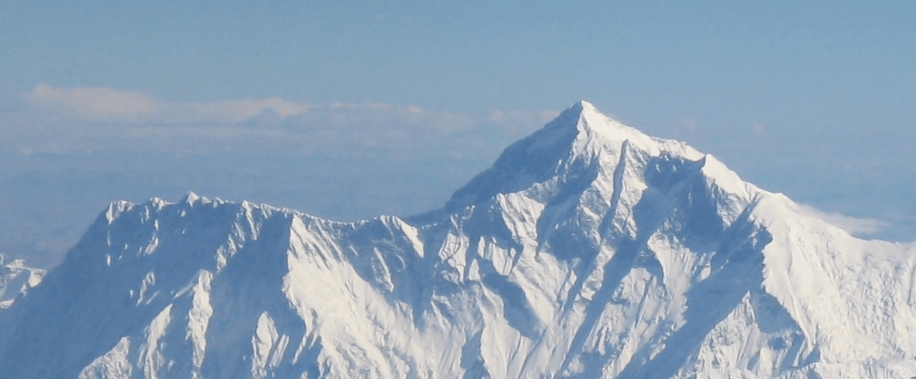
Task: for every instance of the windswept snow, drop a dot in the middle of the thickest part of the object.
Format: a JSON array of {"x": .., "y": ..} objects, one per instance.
[{"x": 587, "y": 250}]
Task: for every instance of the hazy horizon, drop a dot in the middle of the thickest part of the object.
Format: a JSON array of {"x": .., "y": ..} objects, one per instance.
[{"x": 350, "y": 110}]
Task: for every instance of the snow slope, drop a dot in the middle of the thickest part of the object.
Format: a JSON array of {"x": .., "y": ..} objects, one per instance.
[{"x": 587, "y": 250}]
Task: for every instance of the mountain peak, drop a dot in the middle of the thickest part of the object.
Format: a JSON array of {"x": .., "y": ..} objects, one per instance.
[
  {"x": 191, "y": 198},
  {"x": 581, "y": 110},
  {"x": 580, "y": 141},
  {"x": 590, "y": 122},
  {"x": 580, "y": 106}
]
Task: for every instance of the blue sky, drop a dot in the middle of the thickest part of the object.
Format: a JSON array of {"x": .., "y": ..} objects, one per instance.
[
  {"x": 691, "y": 58},
  {"x": 813, "y": 99}
]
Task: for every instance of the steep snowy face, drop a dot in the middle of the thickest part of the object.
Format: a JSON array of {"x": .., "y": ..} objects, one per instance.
[{"x": 587, "y": 250}]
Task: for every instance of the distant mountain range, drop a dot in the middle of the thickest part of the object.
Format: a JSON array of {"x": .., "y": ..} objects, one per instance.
[{"x": 588, "y": 249}]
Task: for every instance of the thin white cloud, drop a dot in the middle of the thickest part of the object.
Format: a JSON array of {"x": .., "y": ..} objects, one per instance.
[
  {"x": 113, "y": 105},
  {"x": 93, "y": 103},
  {"x": 852, "y": 225},
  {"x": 93, "y": 117},
  {"x": 102, "y": 104},
  {"x": 232, "y": 111}
]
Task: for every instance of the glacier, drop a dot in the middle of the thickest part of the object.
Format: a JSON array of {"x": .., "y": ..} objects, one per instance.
[{"x": 588, "y": 250}]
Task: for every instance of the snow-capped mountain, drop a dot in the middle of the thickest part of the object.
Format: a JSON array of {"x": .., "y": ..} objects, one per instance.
[
  {"x": 587, "y": 250},
  {"x": 16, "y": 279}
]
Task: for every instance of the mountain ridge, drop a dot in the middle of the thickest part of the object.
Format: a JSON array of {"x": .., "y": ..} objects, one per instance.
[{"x": 588, "y": 249}]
